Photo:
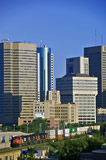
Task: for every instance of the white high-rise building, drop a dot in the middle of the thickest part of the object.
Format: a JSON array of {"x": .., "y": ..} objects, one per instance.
[
  {"x": 82, "y": 90},
  {"x": 77, "y": 65}
]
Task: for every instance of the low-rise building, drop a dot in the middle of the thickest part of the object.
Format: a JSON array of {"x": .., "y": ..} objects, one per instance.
[
  {"x": 51, "y": 110},
  {"x": 66, "y": 112}
]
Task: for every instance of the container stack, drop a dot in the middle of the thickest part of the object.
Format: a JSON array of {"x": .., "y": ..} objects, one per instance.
[
  {"x": 51, "y": 134},
  {"x": 59, "y": 134},
  {"x": 72, "y": 131},
  {"x": 66, "y": 132}
]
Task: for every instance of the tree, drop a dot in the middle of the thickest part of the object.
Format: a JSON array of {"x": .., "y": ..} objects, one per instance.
[
  {"x": 34, "y": 127},
  {"x": 93, "y": 143},
  {"x": 31, "y": 154},
  {"x": 71, "y": 148},
  {"x": 62, "y": 124}
]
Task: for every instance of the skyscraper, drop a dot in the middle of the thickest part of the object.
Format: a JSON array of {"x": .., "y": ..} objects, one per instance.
[
  {"x": 82, "y": 90},
  {"x": 18, "y": 81},
  {"x": 97, "y": 67},
  {"x": 77, "y": 65},
  {"x": 45, "y": 75}
]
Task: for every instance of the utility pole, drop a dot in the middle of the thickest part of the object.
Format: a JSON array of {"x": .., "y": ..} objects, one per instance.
[
  {"x": 40, "y": 127},
  {"x": 27, "y": 127},
  {"x": 14, "y": 127}
]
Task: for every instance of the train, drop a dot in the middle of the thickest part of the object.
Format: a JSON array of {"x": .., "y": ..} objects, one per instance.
[
  {"x": 57, "y": 134},
  {"x": 24, "y": 140}
]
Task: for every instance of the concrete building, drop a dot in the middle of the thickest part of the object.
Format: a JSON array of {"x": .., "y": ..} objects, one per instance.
[
  {"x": 77, "y": 65},
  {"x": 66, "y": 113},
  {"x": 97, "y": 67},
  {"x": 80, "y": 89},
  {"x": 101, "y": 115},
  {"x": 18, "y": 81},
  {"x": 53, "y": 109},
  {"x": 54, "y": 96},
  {"x": 45, "y": 71},
  {"x": 53, "y": 122}
]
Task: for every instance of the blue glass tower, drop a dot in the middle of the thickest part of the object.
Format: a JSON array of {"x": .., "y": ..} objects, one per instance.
[{"x": 46, "y": 71}]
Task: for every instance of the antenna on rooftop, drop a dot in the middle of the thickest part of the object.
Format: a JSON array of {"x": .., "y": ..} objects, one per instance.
[
  {"x": 95, "y": 36},
  {"x": 40, "y": 43}
]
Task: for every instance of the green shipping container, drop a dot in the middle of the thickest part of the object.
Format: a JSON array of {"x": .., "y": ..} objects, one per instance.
[{"x": 72, "y": 130}]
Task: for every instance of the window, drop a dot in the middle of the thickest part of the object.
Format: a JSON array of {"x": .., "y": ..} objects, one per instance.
[
  {"x": 2, "y": 139},
  {"x": 6, "y": 157}
]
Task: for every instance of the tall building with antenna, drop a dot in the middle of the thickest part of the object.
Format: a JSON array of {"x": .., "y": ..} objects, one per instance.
[
  {"x": 45, "y": 71},
  {"x": 97, "y": 67}
]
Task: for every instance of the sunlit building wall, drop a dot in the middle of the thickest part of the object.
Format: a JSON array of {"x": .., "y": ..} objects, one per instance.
[{"x": 18, "y": 81}]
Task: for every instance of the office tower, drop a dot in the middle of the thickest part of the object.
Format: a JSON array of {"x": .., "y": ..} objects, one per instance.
[
  {"x": 18, "y": 81},
  {"x": 97, "y": 67},
  {"x": 45, "y": 61},
  {"x": 77, "y": 65},
  {"x": 82, "y": 90}
]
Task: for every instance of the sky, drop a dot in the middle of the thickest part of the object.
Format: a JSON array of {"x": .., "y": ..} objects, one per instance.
[{"x": 65, "y": 26}]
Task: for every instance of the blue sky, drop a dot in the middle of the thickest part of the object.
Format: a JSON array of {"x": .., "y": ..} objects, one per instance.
[{"x": 67, "y": 26}]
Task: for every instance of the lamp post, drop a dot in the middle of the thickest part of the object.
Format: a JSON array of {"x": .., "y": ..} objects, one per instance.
[
  {"x": 40, "y": 127},
  {"x": 14, "y": 127},
  {"x": 27, "y": 127}
]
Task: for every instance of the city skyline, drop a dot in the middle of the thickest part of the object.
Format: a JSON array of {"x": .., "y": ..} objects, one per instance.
[{"x": 65, "y": 26}]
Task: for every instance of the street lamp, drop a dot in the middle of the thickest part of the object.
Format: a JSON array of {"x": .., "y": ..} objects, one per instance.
[
  {"x": 27, "y": 127},
  {"x": 40, "y": 127},
  {"x": 14, "y": 127}
]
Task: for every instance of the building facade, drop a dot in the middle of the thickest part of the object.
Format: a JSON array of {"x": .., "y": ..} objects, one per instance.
[
  {"x": 77, "y": 65},
  {"x": 18, "y": 81},
  {"x": 97, "y": 67},
  {"x": 101, "y": 115},
  {"x": 54, "y": 96},
  {"x": 45, "y": 65},
  {"x": 53, "y": 109},
  {"x": 66, "y": 113},
  {"x": 82, "y": 90}
]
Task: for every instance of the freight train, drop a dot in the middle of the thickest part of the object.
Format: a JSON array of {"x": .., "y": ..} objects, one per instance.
[
  {"x": 28, "y": 139},
  {"x": 58, "y": 134}
]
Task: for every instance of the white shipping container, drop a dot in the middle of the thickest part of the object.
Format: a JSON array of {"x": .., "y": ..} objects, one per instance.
[
  {"x": 67, "y": 130},
  {"x": 59, "y": 132},
  {"x": 97, "y": 127},
  {"x": 52, "y": 137},
  {"x": 81, "y": 129},
  {"x": 66, "y": 135},
  {"x": 50, "y": 132},
  {"x": 86, "y": 128}
]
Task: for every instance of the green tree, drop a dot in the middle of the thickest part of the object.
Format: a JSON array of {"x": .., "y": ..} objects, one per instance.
[
  {"x": 62, "y": 124},
  {"x": 31, "y": 154},
  {"x": 71, "y": 148},
  {"x": 93, "y": 143}
]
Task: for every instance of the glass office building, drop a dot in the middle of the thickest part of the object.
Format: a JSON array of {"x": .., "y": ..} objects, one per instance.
[{"x": 45, "y": 75}]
